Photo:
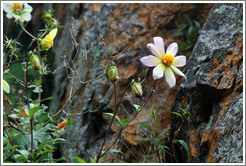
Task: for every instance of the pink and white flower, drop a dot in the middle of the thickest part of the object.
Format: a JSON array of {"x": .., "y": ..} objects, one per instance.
[{"x": 165, "y": 63}]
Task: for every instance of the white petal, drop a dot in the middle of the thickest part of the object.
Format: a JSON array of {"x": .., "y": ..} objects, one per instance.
[
  {"x": 9, "y": 15},
  {"x": 176, "y": 70},
  {"x": 26, "y": 17},
  {"x": 17, "y": 17},
  {"x": 158, "y": 71},
  {"x": 7, "y": 7},
  {"x": 159, "y": 43},
  {"x": 154, "y": 50},
  {"x": 172, "y": 49},
  {"x": 170, "y": 78},
  {"x": 179, "y": 61},
  {"x": 150, "y": 61},
  {"x": 27, "y": 8}
]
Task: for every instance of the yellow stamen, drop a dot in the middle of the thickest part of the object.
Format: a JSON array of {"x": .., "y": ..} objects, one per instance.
[
  {"x": 167, "y": 59},
  {"x": 17, "y": 6}
]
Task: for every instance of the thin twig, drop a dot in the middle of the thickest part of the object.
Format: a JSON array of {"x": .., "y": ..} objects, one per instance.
[
  {"x": 98, "y": 157},
  {"x": 131, "y": 119},
  {"x": 28, "y": 32}
]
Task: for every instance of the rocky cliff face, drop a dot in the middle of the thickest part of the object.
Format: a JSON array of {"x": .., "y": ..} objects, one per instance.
[{"x": 214, "y": 90}]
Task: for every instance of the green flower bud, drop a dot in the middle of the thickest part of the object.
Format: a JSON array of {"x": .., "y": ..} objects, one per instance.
[
  {"x": 137, "y": 89},
  {"x": 113, "y": 72},
  {"x": 34, "y": 59},
  {"x": 47, "y": 15}
]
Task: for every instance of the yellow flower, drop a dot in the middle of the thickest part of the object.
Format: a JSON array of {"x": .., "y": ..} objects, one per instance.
[{"x": 47, "y": 42}]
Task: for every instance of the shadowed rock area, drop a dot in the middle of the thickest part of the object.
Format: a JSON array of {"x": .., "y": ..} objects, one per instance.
[{"x": 214, "y": 90}]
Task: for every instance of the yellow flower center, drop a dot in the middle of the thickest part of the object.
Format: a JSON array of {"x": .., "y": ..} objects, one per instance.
[
  {"x": 167, "y": 59},
  {"x": 17, "y": 6}
]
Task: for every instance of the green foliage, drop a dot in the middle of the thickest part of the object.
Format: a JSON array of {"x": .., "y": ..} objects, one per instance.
[
  {"x": 117, "y": 119},
  {"x": 115, "y": 151},
  {"x": 33, "y": 110},
  {"x": 23, "y": 103},
  {"x": 124, "y": 123},
  {"x": 190, "y": 30},
  {"x": 185, "y": 146}
]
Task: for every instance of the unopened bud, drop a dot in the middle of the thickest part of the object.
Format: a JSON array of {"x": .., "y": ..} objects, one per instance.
[
  {"x": 34, "y": 59},
  {"x": 113, "y": 72},
  {"x": 137, "y": 89},
  {"x": 47, "y": 16},
  {"x": 47, "y": 42},
  {"x": 62, "y": 124}
]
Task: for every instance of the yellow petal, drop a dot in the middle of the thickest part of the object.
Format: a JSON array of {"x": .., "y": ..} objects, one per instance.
[{"x": 52, "y": 34}]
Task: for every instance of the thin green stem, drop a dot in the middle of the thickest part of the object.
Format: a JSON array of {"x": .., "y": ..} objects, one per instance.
[
  {"x": 28, "y": 32},
  {"x": 152, "y": 91},
  {"x": 114, "y": 110},
  {"x": 28, "y": 103}
]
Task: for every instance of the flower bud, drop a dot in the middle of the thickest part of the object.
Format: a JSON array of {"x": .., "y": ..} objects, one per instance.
[
  {"x": 113, "y": 72},
  {"x": 34, "y": 59},
  {"x": 62, "y": 124},
  {"x": 137, "y": 89},
  {"x": 47, "y": 15},
  {"x": 47, "y": 42}
]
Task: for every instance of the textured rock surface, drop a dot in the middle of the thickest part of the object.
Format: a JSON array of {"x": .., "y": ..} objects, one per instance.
[
  {"x": 214, "y": 90},
  {"x": 132, "y": 27}
]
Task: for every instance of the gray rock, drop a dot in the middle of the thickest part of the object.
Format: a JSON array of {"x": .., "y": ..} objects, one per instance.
[{"x": 213, "y": 90}]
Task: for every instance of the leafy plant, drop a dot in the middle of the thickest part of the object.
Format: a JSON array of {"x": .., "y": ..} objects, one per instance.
[{"x": 190, "y": 30}]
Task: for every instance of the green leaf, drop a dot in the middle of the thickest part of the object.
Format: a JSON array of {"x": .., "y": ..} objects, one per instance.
[
  {"x": 80, "y": 160},
  {"x": 16, "y": 56},
  {"x": 101, "y": 159},
  {"x": 175, "y": 113},
  {"x": 49, "y": 98},
  {"x": 163, "y": 147},
  {"x": 115, "y": 151},
  {"x": 6, "y": 87},
  {"x": 185, "y": 147},
  {"x": 188, "y": 19},
  {"x": 116, "y": 118},
  {"x": 143, "y": 139},
  {"x": 137, "y": 107},
  {"x": 197, "y": 24},
  {"x": 33, "y": 110},
  {"x": 144, "y": 125},
  {"x": 24, "y": 153},
  {"x": 36, "y": 89},
  {"x": 124, "y": 123},
  {"x": 177, "y": 33},
  {"x": 92, "y": 160},
  {"x": 41, "y": 135},
  {"x": 191, "y": 30},
  {"x": 38, "y": 82}
]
